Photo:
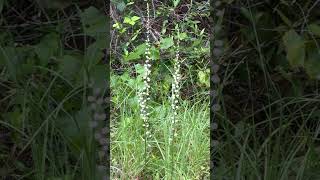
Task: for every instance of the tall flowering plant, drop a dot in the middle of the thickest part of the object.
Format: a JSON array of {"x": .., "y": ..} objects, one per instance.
[
  {"x": 175, "y": 94},
  {"x": 175, "y": 87},
  {"x": 144, "y": 94}
]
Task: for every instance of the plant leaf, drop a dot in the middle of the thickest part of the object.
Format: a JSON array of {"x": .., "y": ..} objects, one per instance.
[
  {"x": 176, "y": 2},
  {"x": 166, "y": 43},
  {"x": 139, "y": 50},
  {"x": 47, "y": 48},
  {"x": 94, "y": 53},
  {"x": 204, "y": 77},
  {"x": 295, "y": 48},
  {"x": 183, "y": 36},
  {"x": 135, "y": 18},
  {"x": 94, "y": 22}
]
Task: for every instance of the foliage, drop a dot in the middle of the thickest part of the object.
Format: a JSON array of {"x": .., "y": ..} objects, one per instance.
[
  {"x": 45, "y": 64},
  {"x": 167, "y": 19}
]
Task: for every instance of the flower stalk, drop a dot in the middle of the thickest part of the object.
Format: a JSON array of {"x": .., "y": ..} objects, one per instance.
[
  {"x": 175, "y": 94},
  {"x": 144, "y": 94}
]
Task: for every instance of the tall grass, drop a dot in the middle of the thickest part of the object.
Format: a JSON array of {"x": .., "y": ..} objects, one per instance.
[{"x": 189, "y": 152}]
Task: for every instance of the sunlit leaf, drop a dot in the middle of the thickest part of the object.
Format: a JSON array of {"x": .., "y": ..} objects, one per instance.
[{"x": 166, "y": 43}]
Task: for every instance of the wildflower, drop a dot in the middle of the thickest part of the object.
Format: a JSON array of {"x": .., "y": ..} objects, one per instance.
[
  {"x": 96, "y": 102},
  {"x": 91, "y": 98},
  {"x": 175, "y": 89},
  {"x": 215, "y": 68},
  {"x": 145, "y": 91},
  {"x": 216, "y": 107},
  {"x": 104, "y": 130},
  {"x": 215, "y": 78},
  {"x": 217, "y": 52},
  {"x": 213, "y": 93},
  {"x": 99, "y": 101}
]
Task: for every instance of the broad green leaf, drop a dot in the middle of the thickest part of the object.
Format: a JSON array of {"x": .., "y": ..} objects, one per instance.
[
  {"x": 127, "y": 20},
  {"x": 315, "y": 29},
  {"x": 131, "y": 20},
  {"x": 116, "y": 25},
  {"x": 94, "y": 53},
  {"x": 136, "y": 53},
  {"x": 140, "y": 50},
  {"x": 155, "y": 54},
  {"x": 132, "y": 56},
  {"x": 47, "y": 48},
  {"x": 182, "y": 36},
  {"x": 176, "y": 2},
  {"x": 204, "y": 77},
  {"x": 166, "y": 43},
  {"x": 138, "y": 82},
  {"x": 140, "y": 69},
  {"x": 295, "y": 48},
  {"x": 135, "y": 18},
  {"x": 94, "y": 22}
]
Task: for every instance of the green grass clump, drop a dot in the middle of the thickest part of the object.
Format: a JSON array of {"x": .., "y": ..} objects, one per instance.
[{"x": 190, "y": 150}]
